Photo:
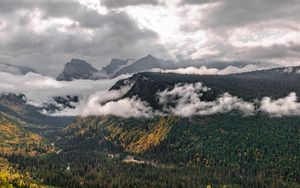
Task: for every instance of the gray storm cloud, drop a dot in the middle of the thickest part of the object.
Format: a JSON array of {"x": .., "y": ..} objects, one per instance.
[
  {"x": 124, "y": 3},
  {"x": 46, "y": 34}
]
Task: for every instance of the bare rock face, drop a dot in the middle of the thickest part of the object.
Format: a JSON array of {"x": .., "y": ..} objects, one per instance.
[{"x": 80, "y": 69}]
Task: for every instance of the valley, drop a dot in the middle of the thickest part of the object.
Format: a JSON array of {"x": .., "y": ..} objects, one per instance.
[{"x": 220, "y": 150}]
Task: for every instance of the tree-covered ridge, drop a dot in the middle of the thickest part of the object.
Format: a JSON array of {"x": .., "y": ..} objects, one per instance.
[
  {"x": 119, "y": 134},
  {"x": 250, "y": 86}
]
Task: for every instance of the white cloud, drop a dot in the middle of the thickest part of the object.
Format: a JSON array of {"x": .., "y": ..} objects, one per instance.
[
  {"x": 183, "y": 100},
  {"x": 203, "y": 70},
  {"x": 109, "y": 103},
  {"x": 186, "y": 99},
  {"x": 287, "y": 106}
]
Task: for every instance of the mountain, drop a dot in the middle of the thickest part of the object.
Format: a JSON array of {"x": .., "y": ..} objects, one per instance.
[
  {"x": 225, "y": 150},
  {"x": 115, "y": 65},
  {"x": 275, "y": 83},
  {"x": 80, "y": 69},
  {"x": 137, "y": 135},
  {"x": 15, "y": 69},
  {"x": 146, "y": 63}
]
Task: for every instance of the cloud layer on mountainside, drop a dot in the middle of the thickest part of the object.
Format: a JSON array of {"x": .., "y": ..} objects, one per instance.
[
  {"x": 187, "y": 102},
  {"x": 203, "y": 70},
  {"x": 109, "y": 103},
  {"x": 184, "y": 101}
]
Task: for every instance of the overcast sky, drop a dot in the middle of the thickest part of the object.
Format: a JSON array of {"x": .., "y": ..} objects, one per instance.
[{"x": 45, "y": 34}]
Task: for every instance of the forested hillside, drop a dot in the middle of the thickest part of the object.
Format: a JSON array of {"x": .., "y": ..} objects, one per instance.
[
  {"x": 16, "y": 140},
  {"x": 217, "y": 150}
]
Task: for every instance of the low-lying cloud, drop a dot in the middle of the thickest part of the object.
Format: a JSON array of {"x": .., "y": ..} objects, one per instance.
[
  {"x": 287, "y": 106},
  {"x": 40, "y": 89},
  {"x": 203, "y": 70},
  {"x": 188, "y": 103},
  {"x": 181, "y": 100},
  {"x": 109, "y": 103}
]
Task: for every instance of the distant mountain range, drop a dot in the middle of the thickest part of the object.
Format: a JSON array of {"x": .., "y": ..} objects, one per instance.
[{"x": 80, "y": 69}]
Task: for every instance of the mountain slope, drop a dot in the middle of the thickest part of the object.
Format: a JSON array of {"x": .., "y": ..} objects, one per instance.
[
  {"x": 15, "y": 140},
  {"x": 79, "y": 69},
  {"x": 116, "y": 134}
]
